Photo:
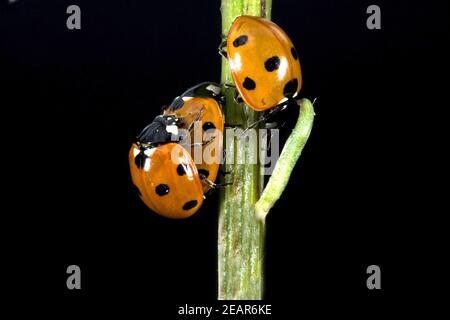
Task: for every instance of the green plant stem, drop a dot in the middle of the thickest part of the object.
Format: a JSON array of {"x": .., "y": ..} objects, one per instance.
[
  {"x": 287, "y": 160},
  {"x": 240, "y": 234}
]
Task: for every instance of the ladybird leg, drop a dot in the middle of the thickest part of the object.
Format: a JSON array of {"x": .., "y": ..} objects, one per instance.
[
  {"x": 266, "y": 117},
  {"x": 223, "y": 52},
  {"x": 276, "y": 110},
  {"x": 199, "y": 115},
  {"x": 229, "y": 86},
  {"x": 237, "y": 98},
  {"x": 254, "y": 124},
  {"x": 213, "y": 185},
  {"x": 198, "y": 144}
]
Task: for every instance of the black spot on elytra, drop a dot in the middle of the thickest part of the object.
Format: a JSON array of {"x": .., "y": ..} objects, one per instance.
[
  {"x": 272, "y": 64},
  {"x": 180, "y": 170},
  {"x": 240, "y": 41},
  {"x": 190, "y": 204},
  {"x": 294, "y": 53},
  {"x": 208, "y": 125},
  {"x": 139, "y": 160},
  {"x": 162, "y": 189},
  {"x": 290, "y": 88},
  {"x": 203, "y": 172},
  {"x": 249, "y": 84}
]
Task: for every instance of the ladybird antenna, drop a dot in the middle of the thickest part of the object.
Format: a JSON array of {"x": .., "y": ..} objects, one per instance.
[{"x": 267, "y": 116}]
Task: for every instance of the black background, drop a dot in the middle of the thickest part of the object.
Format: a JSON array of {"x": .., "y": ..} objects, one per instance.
[{"x": 73, "y": 101}]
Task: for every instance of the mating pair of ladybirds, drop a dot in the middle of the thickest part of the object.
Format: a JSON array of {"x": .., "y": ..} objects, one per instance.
[{"x": 266, "y": 70}]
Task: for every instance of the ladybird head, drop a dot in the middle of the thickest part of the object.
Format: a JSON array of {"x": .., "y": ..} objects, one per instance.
[{"x": 163, "y": 129}]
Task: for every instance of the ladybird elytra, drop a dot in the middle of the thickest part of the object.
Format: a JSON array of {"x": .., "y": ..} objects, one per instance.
[{"x": 263, "y": 61}]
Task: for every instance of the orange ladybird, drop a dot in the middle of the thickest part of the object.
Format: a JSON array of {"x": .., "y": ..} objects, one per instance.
[
  {"x": 200, "y": 107},
  {"x": 263, "y": 62},
  {"x": 164, "y": 172}
]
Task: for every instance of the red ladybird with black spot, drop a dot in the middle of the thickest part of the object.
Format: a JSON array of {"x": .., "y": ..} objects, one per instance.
[
  {"x": 164, "y": 172},
  {"x": 200, "y": 108},
  {"x": 264, "y": 63}
]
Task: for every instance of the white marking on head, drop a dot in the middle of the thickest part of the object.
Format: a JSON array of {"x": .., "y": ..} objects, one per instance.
[{"x": 173, "y": 129}]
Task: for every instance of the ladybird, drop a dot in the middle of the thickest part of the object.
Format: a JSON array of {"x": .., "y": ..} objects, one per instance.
[
  {"x": 264, "y": 63},
  {"x": 163, "y": 171},
  {"x": 201, "y": 105}
]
